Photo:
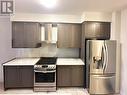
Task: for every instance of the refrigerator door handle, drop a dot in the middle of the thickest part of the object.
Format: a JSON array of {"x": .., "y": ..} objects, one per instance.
[
  {"x": 104, "y": 76},
  {"x": 104, "y": 50},
  {"x": 106, "y": 62}
]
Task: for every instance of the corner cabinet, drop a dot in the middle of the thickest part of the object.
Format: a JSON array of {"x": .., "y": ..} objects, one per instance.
[
  {"x": 18, "y": 76},
  {"x": 97, "y": 30},
  {"x": 69, "y": 35},
  {"x": 72, "y": 76},
  {"x": 26, "y": 35}
]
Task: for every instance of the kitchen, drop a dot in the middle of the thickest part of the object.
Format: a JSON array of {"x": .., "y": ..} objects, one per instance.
[{"x": 68, "y": 51}]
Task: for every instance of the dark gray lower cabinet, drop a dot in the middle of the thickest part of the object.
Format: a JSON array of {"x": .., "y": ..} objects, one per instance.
[
  {"x": 63, "y": 76},
  {"x": 70, "y": 76},
  {"x": 18, "y": 76},
  {"x": 77, "y": 76},
  {"x": 27, "y": 76}
]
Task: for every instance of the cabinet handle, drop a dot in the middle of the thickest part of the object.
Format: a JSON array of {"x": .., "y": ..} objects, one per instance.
[
  {"x": 12, "y": 41},
  {"x": 57, "y": 44}
]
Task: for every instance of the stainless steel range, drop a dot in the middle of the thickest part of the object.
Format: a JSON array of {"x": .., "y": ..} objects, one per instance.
[{"x": 45, "y": 74}]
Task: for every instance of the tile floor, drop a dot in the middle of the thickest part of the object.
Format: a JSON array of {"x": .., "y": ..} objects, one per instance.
[{"x": 60, "y": 91}]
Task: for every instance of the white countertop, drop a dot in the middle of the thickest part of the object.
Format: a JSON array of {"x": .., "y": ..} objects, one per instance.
[
  {"x": 33, "y": 61},
  {"x": 22, "y": 62},
  {"x": 69, "y": 61}
]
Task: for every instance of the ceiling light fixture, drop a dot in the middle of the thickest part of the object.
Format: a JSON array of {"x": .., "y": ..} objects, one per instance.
[{"x": 48, "y": 3}]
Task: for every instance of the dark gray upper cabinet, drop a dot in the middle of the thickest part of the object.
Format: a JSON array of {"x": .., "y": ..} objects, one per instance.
[
  {"x": 69, "y": 35},
  {"x": 26, "y": 34},
  {"x": 96, "y": 30}
]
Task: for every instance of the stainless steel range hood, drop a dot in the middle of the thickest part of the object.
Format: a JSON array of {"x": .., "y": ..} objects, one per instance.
[{"x": 49, "y": 33}]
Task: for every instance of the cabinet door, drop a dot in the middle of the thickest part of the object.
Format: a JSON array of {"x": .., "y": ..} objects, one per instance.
[
  {"x": 105, "y": 30},
  {"x": 90, "y": 29},
  {"x": 69, "y": 35},
  {"x": 64, "y": 35},
  {"x": 11, "y": 77},
  {"x": 63, "y": 76},
  {"x": 31, "y": 34},
  {"x": 18, "y": 34},
  {"x": 26, "y": 76},
  {"x": 26, "y": 34},
  {"x": 82, "y": 53},
  {"x": 18, "y": 76},
  {"x": 77, "y": 76},
  {"x": 76, "y": 36},
  {"x": 97, "y": 30}
]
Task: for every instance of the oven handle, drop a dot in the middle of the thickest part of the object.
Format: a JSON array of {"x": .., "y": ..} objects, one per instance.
[{"x": 45, "y": 71}]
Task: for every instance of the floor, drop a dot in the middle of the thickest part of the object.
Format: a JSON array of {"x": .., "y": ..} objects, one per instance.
[{"x": 60, "y": 91}]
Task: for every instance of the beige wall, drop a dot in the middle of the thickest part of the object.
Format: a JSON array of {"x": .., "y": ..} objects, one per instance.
[
  {"x": 115, "y": 35},
  {"x": 86, "y": 16},
  {"x": 6, "y": 52},
  {"x": 46, "y": 18},
  {"x": 116, "y": 26},
  {"x": 124, "y": 52},
  {"x": 119, "y": 33},
  {"x": 96, "y": 16}
]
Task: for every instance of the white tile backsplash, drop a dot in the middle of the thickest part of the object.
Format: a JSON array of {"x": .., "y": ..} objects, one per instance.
[{"x": 47, "y": 50}]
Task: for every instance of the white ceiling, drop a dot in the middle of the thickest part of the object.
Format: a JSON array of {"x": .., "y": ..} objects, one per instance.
[{"x": 69, "y": 6}]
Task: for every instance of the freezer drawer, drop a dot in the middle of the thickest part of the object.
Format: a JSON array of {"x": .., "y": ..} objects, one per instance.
[{"x": 102, "y": 84}]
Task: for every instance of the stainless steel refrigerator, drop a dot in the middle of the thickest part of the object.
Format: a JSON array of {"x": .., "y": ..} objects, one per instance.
[{"x": 101, "y": 66}]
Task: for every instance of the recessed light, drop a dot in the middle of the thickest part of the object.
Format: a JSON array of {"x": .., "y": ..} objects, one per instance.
[{"x": 48, "y": 3}]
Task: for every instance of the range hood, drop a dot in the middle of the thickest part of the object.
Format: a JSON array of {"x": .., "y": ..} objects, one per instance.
[{"x": 49, "y": 33}]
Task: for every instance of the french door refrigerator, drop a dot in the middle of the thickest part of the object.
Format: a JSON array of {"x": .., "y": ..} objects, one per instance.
[{"x": 101, "y": 66}]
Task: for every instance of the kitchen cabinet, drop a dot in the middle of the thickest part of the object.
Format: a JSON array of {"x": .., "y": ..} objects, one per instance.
[
  {"x": 97, "y": 30},
  {"x": 63, "y": 76},
  {"x": 70, "y": 75},
  {"x": 69, "y": 35},
  {"x": 26, "y": 34},
  {"x": 26, "y": 76},
  {"x": 82, "y": 52},
  {"x": 77, "y": 76},
  {"x": 10, "y": 77},
  {"x": 18, "y": 76}
]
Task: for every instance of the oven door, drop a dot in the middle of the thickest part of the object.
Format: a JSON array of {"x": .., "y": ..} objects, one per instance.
[{"x": 44, "y": 78}]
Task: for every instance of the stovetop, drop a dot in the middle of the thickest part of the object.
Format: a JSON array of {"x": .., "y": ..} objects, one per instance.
[{"x": 47, "y": 60}]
